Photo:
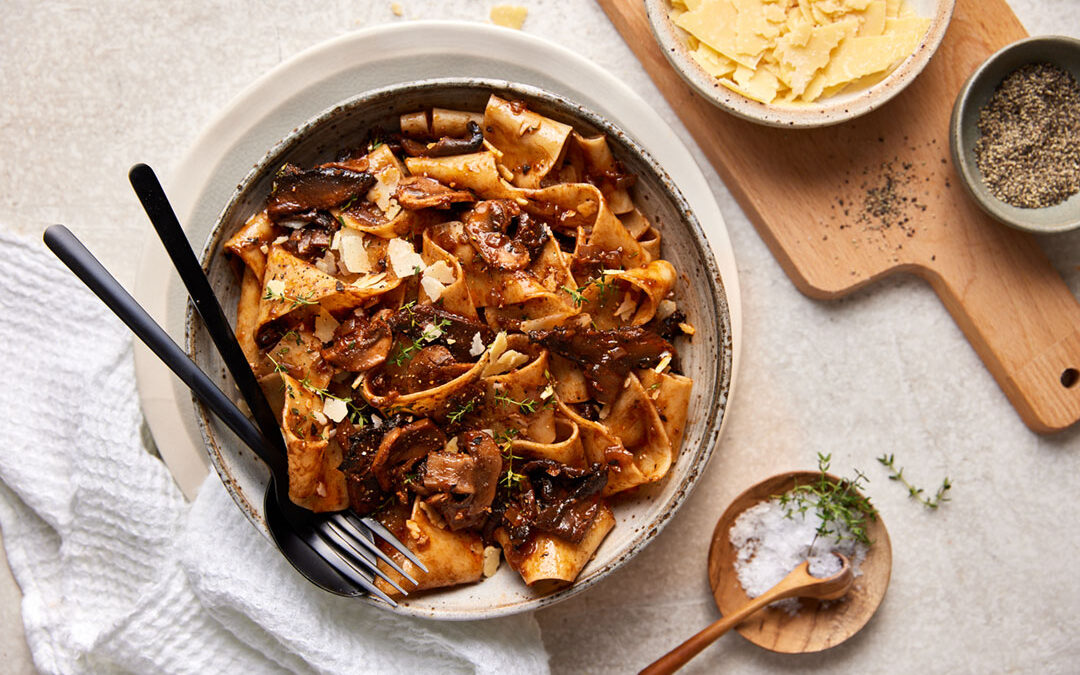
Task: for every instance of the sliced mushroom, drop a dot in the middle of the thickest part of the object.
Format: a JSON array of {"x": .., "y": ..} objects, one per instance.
[
  {"x": 360, "y": 447},
  {"x": 467, "y": 480},
  {"x": 447, "y": 145},
  {"x": 360, "y": 343},
  {"x": 315, "y": 189},
  {"x": 606, "y": 356},
  {"x": 486, "y": 225},
  {"x": 419, "y": 192},
  {"x": 402, "y": 448}
]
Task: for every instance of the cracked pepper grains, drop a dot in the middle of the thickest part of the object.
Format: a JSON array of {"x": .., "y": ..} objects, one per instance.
[{"x": 1029, "y": 144}]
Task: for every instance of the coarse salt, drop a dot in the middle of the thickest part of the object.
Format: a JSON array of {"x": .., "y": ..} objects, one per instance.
[{"x": 769, "y": 545}]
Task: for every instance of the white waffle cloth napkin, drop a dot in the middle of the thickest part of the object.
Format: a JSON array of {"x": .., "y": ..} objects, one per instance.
[{"x": 119, "y": 573}]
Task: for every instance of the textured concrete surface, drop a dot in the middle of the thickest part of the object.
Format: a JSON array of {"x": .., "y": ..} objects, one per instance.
[{"x": 983, "y": 585}]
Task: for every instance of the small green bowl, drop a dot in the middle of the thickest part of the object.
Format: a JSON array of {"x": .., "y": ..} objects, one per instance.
[{"x": 1063, "y": 52}]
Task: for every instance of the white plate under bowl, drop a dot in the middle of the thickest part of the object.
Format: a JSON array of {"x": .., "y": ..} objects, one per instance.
[{"x": 338, "y": 70}]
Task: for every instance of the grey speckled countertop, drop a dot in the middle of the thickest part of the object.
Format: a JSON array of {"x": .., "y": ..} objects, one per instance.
[{"x": 986, "y": 584}]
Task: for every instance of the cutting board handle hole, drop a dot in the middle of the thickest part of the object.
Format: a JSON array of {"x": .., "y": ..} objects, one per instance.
[{"x": 1069, "y": 377}]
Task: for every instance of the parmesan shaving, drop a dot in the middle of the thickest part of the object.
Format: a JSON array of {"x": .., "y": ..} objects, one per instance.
[
  {"x": 686, "y": 328},
  {"x": 665, "y": 309},
  {"x": 335, "y": 409},
  {"x": 509, "y": 16},
  {"x": 370, "y": 280},
  {"x": 325, "y": 325},
  {"x": 432, "y": 288},
  {"x": 430, "y": 332},
  {"x": 665, "y": 360},
  {"x": 492, "y": 558},
  {"x": 326, "y": 264},
  {"x": 382, "y": 192},
  {"x": 440, "y": 271},
  {"x": 501, "y": 358},
  {"x": 275, "y": 287},
  {"x": 451, "y": 445},
  {"x": 404, "y": 259},
  {"x": 354, "y": 255},
  {"x": 627, "y": 306},
  {"x": 319, "y": 417},
  {"x": 477, "y": 346}
]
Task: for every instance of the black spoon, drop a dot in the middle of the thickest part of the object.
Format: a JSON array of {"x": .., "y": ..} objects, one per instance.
[{"x": 321, "y": 563}]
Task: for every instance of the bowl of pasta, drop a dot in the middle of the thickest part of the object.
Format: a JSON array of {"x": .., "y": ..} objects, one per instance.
[
  {"x": 489, "y": 320},
  {"x": 805, "y": 63}
]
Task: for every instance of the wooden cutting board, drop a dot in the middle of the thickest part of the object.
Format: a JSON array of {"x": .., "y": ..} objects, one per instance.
[{"x": 819, "y": 199}]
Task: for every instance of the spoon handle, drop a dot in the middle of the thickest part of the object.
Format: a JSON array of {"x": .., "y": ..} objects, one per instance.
[
  {"x": 677, "y": 658},
  {"x": 146, "y": 185},
  {"x": 90, "y": 271}
]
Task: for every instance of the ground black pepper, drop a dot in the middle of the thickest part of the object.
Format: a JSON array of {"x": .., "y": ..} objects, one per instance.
[{"x": 1029, "y": 144}]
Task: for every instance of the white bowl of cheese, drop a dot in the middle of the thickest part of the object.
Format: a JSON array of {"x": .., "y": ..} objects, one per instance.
[{"x": 799, "y": 63}]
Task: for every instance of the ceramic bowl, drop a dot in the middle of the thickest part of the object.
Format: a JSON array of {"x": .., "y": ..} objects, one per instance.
[
  {"x": 1063, "y": 52},
  {"x": 842, "y": 107},
  {"x": 708, "y": 359}
]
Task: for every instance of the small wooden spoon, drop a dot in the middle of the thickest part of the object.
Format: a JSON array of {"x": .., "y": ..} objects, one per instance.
[{"x": 799, "y": 583}]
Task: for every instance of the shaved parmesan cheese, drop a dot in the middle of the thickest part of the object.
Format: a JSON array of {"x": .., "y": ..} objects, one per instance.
[
  {"x": 376, "y": 421},
  {"x": 404, "y": 259},
  {"x": 382, "y": 192},
  {"x": 627, "y": 306},
  {"x": 502, "y": 359},
  {"x": 451, "y": 445},
  {"x": 335, "y": 409},
  {"x": 492, "y": 558},
  {"x": 440, "y": 271},
  {"x": 509, "y": 16},
  {"x": 326, "y": 264},
  {"x": 665, "y": 309},
  {"x": 430, "y": 332},
  {"x": 665, "y": 360},
  {"x": 686, "y": 328},
  {"x": 477, "y": 347},
  {"x": 280, "y": 240},
  {"x": 275, "y": 287},
  {"x": 325, "y": 325},
  {"x": 370, "y": 281},
  {"x": 319, "y": 417},
  {"x": 432, "y": 288},
  {"x": 548, "y": 392},
  {"x": 435, "y": 279},
  {"x": 335, "y": 243},
  {"x": 353, "y": 253}
]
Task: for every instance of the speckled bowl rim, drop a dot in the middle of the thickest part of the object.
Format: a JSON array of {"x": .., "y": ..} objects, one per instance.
[
  {"x": 819, "y": 114},
  {"x": 717, "y": 398},
  {"x": 976, "y": 92}
]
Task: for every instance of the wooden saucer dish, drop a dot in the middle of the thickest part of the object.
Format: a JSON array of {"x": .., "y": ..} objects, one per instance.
[{"x": 815, "y": 627}]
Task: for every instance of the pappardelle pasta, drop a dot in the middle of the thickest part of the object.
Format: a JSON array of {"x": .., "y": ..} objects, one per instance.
[{"x": 469, "y": 333}]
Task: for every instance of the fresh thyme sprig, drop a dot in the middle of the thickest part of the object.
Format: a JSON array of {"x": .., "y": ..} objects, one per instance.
[
  {"x": 915, "y": 492},
  {"x": 461, "y": 411},
  {"x": 527, "y": 406},
  {"x": 302, "y": 299},
  {"x": 839, "y": 505},
  {"x": 432, "y": 332},
  {"x": 511, "y": 479},
  {"x": 578, "y": 294}
]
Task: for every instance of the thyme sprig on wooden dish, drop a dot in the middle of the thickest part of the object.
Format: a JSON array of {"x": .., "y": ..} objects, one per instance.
[
  {"x": 840, "y": 505},
  {"x": 889, "y": 462}
]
